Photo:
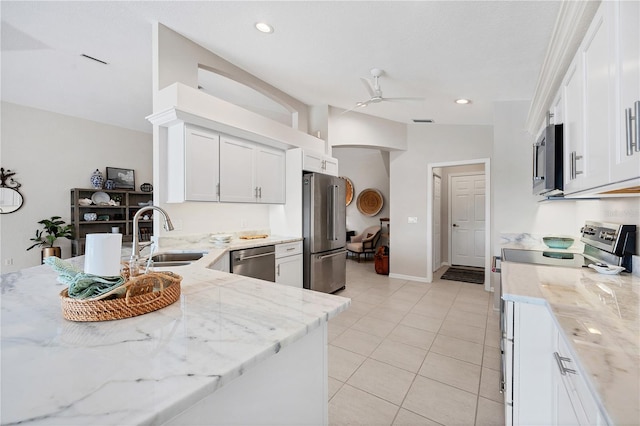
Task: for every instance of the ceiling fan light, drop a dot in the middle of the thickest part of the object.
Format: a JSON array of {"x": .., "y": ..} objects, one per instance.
[
  {"x": 263, "y": 27},
  {"x": 361, "y": 104},
  {"x": 463, "y": 101}
]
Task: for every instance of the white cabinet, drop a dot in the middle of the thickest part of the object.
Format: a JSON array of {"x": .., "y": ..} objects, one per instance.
[
  {"x": 587, "y": 109},
  {"x": 316, "y": 162},
  {"x": 574, "y": 404},
  {"x": 223, "y": 264},
  {"x": 192, "y": 164},
  {"x": 625, "y": 156},
  {"x": 289, "y": 264},
  {"x": 543, "y": 380},
  {"x": 601, "y": 90},
  {"x": 251, "y": 172}
]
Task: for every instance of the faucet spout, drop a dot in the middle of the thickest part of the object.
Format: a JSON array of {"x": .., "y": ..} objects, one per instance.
[{"x": 135, "y": 251}]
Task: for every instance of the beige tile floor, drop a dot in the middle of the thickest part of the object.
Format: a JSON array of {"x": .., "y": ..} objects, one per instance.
[{"x": 410, "y": 353}]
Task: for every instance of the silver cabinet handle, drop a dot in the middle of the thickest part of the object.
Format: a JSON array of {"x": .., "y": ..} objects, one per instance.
[
  {"x": 573, "y": 165},
  {"x": 260, "y": 192},
  {"x": 560, "y": 361},
  {"x": 218, "y": 189},
  {"x": 629, "y": 129},
  {"x": 278, "y": 270},
  {"x": 633, "y": 145},
  {"x": 636, "y": 106}
]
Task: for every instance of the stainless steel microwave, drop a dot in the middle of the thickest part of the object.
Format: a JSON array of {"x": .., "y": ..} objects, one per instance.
[{"x": 547, "y": 162}]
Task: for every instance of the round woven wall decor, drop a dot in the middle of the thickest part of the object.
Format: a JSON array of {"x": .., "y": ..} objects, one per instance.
[
  {"x": 348, "y": 190},
  {"x": 370, "y": 202}
]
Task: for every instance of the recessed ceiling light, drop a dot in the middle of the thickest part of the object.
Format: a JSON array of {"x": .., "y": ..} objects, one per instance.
[
  {"x": 263, "y": 27},
  {"x": 463, "y": 101}
]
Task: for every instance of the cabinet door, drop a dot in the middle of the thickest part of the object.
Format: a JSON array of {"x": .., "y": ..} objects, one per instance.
[
  {"x": 597, "y": 101},
  {"x": 533, "y": 342},
  {"x": 625, "y": 160},
  {"x": 289, "y": 271},
  {"x": 313, "y": 162},
  {"x": 201, "y": 165},
  {"x": 573, "y": 121},
  {"x": 237, "y": 170},
  {"x": 270, "y": 175},
  {"x": 331, "y": 166}
]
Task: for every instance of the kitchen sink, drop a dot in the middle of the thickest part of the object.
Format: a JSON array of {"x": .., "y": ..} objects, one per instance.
[{"x": 176, "y": 258}]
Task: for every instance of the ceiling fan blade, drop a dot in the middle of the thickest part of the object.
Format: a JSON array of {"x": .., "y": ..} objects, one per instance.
[
  {"x": 367, "y": 84},
  {"x": 358, "y": 105},
  {"x": 402, "y": 99}
]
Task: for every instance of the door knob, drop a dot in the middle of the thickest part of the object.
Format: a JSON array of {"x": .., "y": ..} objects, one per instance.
[{"x": 455, "y": 225}]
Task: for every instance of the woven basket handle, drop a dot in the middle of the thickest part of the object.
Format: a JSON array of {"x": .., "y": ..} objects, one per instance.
[{"x": 157, "y": 296}]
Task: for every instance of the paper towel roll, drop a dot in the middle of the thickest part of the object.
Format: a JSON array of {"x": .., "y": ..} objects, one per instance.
[{"x": 102, "y": 254}]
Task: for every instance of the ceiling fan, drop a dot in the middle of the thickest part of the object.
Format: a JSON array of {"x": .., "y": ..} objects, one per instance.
[{"x": 376, "y": 92}]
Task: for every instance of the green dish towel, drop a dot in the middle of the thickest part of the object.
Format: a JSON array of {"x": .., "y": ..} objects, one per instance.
[{"x": 81, "y": 285}]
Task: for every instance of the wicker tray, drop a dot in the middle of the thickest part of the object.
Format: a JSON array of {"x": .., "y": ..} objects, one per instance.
[{"x": 145, "y": 293}]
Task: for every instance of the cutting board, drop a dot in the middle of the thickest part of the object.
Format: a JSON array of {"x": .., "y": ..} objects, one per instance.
[{"x": 253, "y": 237}]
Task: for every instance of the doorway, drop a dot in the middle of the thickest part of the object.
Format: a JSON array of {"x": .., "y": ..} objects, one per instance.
[
  {"x": 443, "y": 170},
  {"x": 467, "y": 219}
]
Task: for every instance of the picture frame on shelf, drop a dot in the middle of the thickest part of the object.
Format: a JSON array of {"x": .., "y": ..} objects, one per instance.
[{"x": 123, "y": 178}]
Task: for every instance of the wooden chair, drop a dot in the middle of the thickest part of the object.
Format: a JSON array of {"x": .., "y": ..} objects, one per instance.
[{"x": 365, "y": 242}]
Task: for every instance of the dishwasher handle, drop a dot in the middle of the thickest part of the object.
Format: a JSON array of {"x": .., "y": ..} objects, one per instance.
[
  {"x": 243, "y": 258},
  {"x": 494, "y": 264}
]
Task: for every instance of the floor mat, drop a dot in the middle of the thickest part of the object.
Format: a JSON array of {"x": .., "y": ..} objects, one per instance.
[{"x": 464, "y": 274}]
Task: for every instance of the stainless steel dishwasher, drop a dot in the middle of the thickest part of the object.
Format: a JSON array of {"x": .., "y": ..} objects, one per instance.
[{"x": 258, "y": 262}]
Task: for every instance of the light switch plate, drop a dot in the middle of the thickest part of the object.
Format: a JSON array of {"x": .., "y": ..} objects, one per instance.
[{"x": 412, "y": 219}]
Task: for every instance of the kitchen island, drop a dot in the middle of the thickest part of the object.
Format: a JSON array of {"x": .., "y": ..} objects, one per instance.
[
  {"x": 598, "y": 316},
  {"x": 232, "y": 349}
]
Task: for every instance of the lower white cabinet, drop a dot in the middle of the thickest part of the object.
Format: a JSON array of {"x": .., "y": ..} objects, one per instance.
[
  {"x": 289, "y": 264},
  {"x": 548, "y": 386},
  {"x": 223, "y": 264}
]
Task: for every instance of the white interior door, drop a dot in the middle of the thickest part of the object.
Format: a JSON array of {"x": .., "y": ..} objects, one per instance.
[
  {"x": 467, "y": 197},
  {"x": 437, "y": 222}
]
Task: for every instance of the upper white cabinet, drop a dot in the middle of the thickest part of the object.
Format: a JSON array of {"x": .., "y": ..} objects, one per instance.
[
  {"x": 587, "y": 109},
  {"x": 192, "y": 164},
  {"x": 601, "y": 90},
  {"x": 625, "y": 152},
  {"x": 316, "y": 162},
  {"x": 251, "y": 172}
]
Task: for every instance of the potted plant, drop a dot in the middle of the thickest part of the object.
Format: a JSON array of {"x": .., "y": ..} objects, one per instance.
[{"x": 53, "y": 229}]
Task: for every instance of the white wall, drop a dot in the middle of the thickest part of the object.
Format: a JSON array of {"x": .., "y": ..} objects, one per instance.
[
  {"x": 51, "y": 154},
  {"x": 366, "y": 168},
  {"x": 426, "y": 143}
]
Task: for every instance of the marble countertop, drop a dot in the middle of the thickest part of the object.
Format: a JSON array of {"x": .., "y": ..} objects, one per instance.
[
  {"x": 146, "y": 369},
  {"x": 599, "y": 316}
]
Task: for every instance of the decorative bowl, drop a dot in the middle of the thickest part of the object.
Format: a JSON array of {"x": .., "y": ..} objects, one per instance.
[
  {"x": 558, "y": 242},
  {"x": 90, "y": 217}
]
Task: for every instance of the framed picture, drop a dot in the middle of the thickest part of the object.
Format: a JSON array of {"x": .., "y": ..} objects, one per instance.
[{"x": 123, "y": 178}]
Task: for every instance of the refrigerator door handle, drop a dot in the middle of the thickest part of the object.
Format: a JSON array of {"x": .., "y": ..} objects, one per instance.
[
  {"x": 326, "y": 256},
  {"x": 332, "y": 212}
]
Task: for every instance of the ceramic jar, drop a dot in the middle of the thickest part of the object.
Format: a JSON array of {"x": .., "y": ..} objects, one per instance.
[
  {"x": 90, "y": 217},
  {"x": 97, "y": 179},
  {"x": 109, "y": 184}
]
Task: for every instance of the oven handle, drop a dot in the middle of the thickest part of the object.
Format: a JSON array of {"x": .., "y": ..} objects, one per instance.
[{"x": 494, "y": 261}]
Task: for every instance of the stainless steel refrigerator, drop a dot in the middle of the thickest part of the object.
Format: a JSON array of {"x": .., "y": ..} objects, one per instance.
[{"x": 324, "y": 231}]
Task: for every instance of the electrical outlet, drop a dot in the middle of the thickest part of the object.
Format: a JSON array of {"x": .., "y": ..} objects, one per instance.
[
  {"x": 243, "y": 223},
  {"x": 8, "y": 262},
  {"x": 412, "y": 219}
]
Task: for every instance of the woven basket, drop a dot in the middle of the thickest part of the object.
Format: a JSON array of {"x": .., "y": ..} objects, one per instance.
[{"x": 145, "y": 293}]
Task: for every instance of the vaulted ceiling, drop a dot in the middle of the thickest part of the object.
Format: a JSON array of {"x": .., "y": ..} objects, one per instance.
[{"x": 486, "y": 51}]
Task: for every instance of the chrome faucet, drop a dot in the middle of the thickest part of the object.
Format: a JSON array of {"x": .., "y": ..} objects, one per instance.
[{"x": 135, "y": 251}]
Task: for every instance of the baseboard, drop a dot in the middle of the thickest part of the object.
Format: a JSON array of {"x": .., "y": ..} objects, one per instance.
[{"x": 408, "y": 277}]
